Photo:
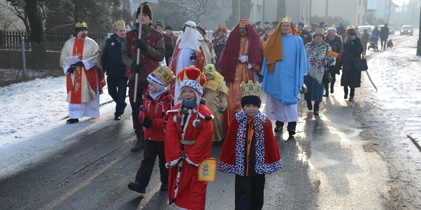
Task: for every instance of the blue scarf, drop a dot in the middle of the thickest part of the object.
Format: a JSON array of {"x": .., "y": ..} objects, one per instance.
[{"x": 189, "y": 104}]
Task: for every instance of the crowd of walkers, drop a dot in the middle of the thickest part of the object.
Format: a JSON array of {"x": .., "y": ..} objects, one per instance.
[{"x": 188, "y": 92}]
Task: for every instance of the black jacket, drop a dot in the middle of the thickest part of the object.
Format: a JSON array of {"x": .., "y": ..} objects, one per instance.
[
  {"x": 169, "y": 48},
  {"x": 111, "y": 57},
  {"x": 350, "y": 76}
]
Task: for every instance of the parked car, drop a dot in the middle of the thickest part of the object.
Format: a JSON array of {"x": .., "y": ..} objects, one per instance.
[
  {"x": 368, "y": 27},
  {"x": 407, "y": 29}
]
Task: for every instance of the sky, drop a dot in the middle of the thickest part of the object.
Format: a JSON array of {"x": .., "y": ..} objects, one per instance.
[{"x": 32, "y": 124}]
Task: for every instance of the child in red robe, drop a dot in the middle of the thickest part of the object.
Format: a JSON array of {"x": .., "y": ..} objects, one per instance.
[
  {"x": 250, "y": 150},
  {"x": 188, "y": 142}
]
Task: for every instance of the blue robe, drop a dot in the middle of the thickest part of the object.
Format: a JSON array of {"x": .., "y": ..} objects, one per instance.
[{"x": 285, "y": 83}]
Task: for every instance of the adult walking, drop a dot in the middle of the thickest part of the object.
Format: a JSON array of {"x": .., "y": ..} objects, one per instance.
[
  {"x": 115, "y": 68},
  {"x": 241, "y": 59},
  {"x": 364, "y": 40},
  {"x": 384, "y": 34},
  {"x": 79, "y": 59},
  {"x": 284, "y": 66},
  {"x": 317, "y": 56},
  {"x": 336, "y": 43},
  {"x": 152, "y": 53},
  {"x": 351, "y": 77},
  {"x": 168, "y": 42}
]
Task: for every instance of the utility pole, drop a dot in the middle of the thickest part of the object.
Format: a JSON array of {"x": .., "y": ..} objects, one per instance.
[{"x": 419, "y": 36}]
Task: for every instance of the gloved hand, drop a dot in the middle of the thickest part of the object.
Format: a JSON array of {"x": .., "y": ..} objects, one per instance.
[
  {"x": 79, "y": 63},
  {"x": 147, "y": 123},
  {"x": 221, "y": 109},
  {"x": 243, "y": 58},
  {"x": 70, "y": 70},
  {"x": 193, "y": 57},
  {"x": 260, "y": 78},
  {"x": 136, "y": 67},
  {"x": 141, "y": 45}
]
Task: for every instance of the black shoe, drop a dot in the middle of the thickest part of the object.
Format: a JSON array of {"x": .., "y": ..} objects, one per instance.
[
  {"x": 331, "y": 90},
  {"x": 351, "y": 98},
  {"x": 140, "y": 144},
  {"x": 326, "y": 95},
  {"x": 291, "y": 134},
  {"x": 278, "y": 129},
  {"x": 309, "y": 105},
  {"x": 164, "y": 187},
  {"x": 71, "y": 121},
  {"x": 117, "y": 118},
  {"x": 345, "y": 96},
  {"x": 134, "y": 186}
]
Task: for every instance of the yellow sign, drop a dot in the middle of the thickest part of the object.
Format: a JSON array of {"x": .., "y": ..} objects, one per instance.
[
  {"x": 211, "y": 85},
  {"x": 333, "y": 54},
  {"x": 207, "y": 170}
]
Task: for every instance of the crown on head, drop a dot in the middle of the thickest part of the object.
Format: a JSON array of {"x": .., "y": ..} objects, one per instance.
[
  {"x": 250, "y": 89},
  {"x": 286, "y": 20},
  {"x": 243, "y": 22},
  {"x": 81, "y": 25},
  {"x": 164, "y": 74},
  {"x": 119, "y": 24}
]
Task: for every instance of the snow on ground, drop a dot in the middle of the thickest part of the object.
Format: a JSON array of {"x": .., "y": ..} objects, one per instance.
[{"x": 32, "y": 113}]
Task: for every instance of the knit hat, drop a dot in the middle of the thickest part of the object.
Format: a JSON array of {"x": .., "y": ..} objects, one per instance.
[
  {"x": 191, "y": 77},
  {"x": 79, "y": 26},
  {"x": 147, "y": 9},
  {"x": 319, "y": 31},
  {"x": 159, "y": 23},
  {"x": 161, "y": 77},
  {"x": 331, "y": 30},
  {"x": 250, "y": 93}
]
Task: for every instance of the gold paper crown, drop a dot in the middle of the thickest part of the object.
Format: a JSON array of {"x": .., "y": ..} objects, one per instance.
[
  {"x": 164, "y": 74},
  {"x": 243, "y": 22},
  {"x": 119, "y": 24},
  {"x": 250, "y": 89},
  {"x": 286, "y": 20},
  {"x": 202, "y": 26},
  {"x": 81, "y": 25}
]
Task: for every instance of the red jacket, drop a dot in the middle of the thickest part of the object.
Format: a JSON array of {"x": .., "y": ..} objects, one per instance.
[{"x": 155, "y": 110}]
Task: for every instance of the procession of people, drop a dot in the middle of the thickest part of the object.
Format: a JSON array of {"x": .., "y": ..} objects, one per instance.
[{"x": 189, "y": 92}]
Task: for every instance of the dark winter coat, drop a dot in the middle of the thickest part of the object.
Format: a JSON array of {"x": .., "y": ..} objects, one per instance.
[
  {"x": 384, "y": 32},
  {"x": 305, "y": 35},
  {"x": 111, "y": 57},
  {"x": 352, "y": 49},
  {"x": 336, "y": 44},
  {"x": 169, "y": 48}
]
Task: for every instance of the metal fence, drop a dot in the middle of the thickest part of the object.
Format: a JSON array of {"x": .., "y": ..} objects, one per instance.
[{"x": 22, "y": 60}]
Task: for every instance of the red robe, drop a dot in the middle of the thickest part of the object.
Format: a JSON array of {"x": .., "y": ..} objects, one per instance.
[
  {"x": 190, "y": 193},
  {"x": 267, "y": 158}
]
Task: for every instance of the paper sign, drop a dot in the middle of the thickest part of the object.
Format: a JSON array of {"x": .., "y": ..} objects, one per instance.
[
  {"x": 333, "y": 54},
  {"x": 207, "y": 170},
  {"x": 211, "y": 85}
]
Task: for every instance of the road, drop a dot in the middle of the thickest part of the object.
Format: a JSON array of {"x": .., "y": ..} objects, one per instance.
[{"x": 338, "y": 160}]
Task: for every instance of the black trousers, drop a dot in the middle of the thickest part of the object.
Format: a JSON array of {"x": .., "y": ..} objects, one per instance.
[
  {"x": 117, "y": 88},
  {"x": 249, "y": 192},
  {"x": 152, "y": 149}
]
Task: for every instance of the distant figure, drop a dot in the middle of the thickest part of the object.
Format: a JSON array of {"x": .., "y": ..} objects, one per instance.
[
  {"x": 340, "y": 30},
  {"x": 304, "y": 34},
  {"x": 389, "y": 44},
  {"x": 219, "y": 42},
  {"x": 168, "y": 42},
  {"x": 364, "y": 39},
  {"x": 168, "y": 31},
  {"x": 384, "y": 34}
]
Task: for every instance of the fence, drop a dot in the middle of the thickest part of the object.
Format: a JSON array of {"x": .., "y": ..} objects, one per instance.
[{"x": 40, "y": 59}]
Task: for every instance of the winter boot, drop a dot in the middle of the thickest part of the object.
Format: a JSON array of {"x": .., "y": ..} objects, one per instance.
[
  {"x": 345, "y": 92},
  {"x": 326, "y": 90},
  {"x": 331, "y": 87},
  {"x": 291, "y": 129},
  {"x": 316, "y": 107},
  {"x": 140, "y": 143},
  {"x": 309, "y": 105},
  {"x": 279, "y": 126}
]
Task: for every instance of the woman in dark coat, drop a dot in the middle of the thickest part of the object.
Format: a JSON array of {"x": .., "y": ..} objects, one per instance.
[
  {"x": 336, "y": 43},
  {"x": 351, "y": 77}
]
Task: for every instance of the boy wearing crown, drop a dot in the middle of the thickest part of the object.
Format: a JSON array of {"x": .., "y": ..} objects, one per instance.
[
  {"x": 84, "y": 78},
  {"x": 157, "y": 101},
  {"x": 216, "y": 100},
  {"x": 188, "y": 141},
  {"x": 250, "y": 150},
  {"x": 115, "y": 68}
]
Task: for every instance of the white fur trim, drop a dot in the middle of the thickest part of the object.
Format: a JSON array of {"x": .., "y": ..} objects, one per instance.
[{"x": 191, "y": 162}]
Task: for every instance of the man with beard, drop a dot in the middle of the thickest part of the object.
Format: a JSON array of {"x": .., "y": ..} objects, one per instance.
[
  {"x": 115, "y": 68},
  {"x": 152, "y": 53},
  {"x": 84, "y": 79},
  {"x": 284, "y": 66},
  {"x": 241, "y": 59}
]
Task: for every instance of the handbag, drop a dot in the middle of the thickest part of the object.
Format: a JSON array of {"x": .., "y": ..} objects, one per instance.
[
  {"x": 360, "y": 64},
  {"x": 327, "y": 77}
]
